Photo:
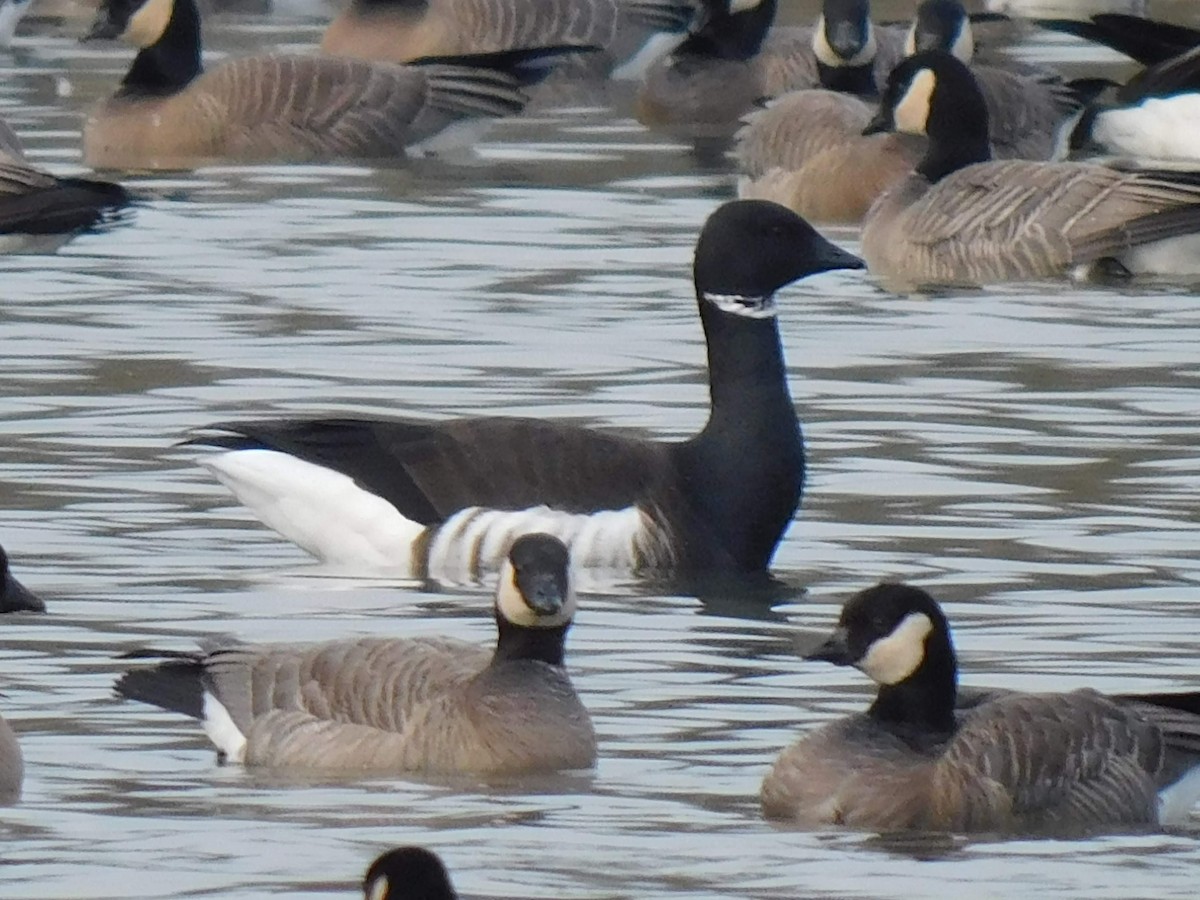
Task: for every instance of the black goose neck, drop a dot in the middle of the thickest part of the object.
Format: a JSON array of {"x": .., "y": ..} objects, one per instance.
[
  {"x": 518, "y": 642},
  {"x": 725, "y": 35},
  {"x": 858, "y": 80},
  {"x": 173, "y": 61},
  {"x": 922, "y": 704},
  {"x": 946, "y": 156},
  {"x": 746, "y": 372}
]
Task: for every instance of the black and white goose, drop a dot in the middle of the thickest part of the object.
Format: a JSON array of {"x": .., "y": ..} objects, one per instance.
[
  {"x": 927, "y": 756},
  {"x": 444, "y": 499}
]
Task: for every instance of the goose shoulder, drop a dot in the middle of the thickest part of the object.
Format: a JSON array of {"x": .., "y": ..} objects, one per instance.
[
  {"x": 1024, "y": 112},
  {"x": 795, "y": 127}
]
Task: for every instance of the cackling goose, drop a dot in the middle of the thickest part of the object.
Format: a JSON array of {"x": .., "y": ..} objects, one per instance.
[
  {"x": 441, "y": 499},
  {"x": 403, "y": 31},
  {"x": 432, "y": 705},
  {"x": 733, "y": 59},
  {"x": 962, "y": 218},
  {"x": 924, "y": 757},
  {"x": 14, "y": 596},
  {"x": 408, "y": 873},
  {"x": 40, "y": 211},
  {"x": 168, "y": 114}
]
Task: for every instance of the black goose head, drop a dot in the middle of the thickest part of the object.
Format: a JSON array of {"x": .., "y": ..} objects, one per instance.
[
  {"x": 934, "y": 94},
  {"x": 535, "y": 599},
  {"x": 941, "y": 25},
  {"x": 408, "y": 873},
  {"x": 14, "y": 597},
  {"x": 845, "y": 46},
  {"x": 167, "y": 32},
  {"x": 728, "y": 29},
  {"x": 898, "y": 637},
  {"x": 749, "y": 249}
]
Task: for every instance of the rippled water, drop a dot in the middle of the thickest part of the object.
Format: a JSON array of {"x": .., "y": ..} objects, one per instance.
[{"x": 1031, "y": 455}]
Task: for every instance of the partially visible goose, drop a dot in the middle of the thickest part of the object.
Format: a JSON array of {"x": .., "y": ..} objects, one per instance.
[
  {"x": 431, "y": 705},
  {"x": 734, "y": 59},
  {"x": 807, "y": 149},
  {"x": 170, "y": 114},
  {"x": 922, "y": 758},
  {"x": 408, "y": 873},
  {"x": 12, "y": 765},
  {"x": 442, "y": 499},
  {"x": 961, "y": 218},
  {"x": 40, "y": 211},
  {"x": 14, "y": 596},
  {"x": 402, "y": 31},
  {"x": 1154, "y": 115},
  {"x": 11, "y": 13}
]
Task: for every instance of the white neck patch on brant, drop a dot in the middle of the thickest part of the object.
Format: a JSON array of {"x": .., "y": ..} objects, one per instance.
[
  {"x": 742, "y": 305},
  {"x": 511, "y": 603},
  {"x": 891, "y": 659}
]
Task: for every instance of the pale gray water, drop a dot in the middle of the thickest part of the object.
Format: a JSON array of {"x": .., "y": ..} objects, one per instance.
[{"x": 1030, "y": 455}]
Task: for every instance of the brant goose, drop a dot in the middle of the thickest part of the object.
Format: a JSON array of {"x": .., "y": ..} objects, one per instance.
[
  {"x": 925, "y": 756},
  {"x": 371, "y": 705},
  {"x": 443, "y": 499}
]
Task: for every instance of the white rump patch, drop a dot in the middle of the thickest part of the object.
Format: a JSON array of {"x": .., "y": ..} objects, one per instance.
[
  {"x": 476, "y": 540},
  {"x": 1175, "y": 803},
  {"x": 891, "y": 659},
  {"x": 1173, "y": 256},
  {"x": 323, "y": 511},
  {"x": 1166, "y": 128},
  {"x": 222, "y": 731}
]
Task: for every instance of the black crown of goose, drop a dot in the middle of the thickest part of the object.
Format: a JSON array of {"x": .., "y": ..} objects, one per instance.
[{"x": 719, "y": 501}]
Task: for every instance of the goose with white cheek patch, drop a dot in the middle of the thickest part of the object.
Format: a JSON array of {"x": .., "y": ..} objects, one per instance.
[
  {"x": 923, "y": 757},
  {"x": 170, "y": 113},
  {"x": 963, "y": 219},
  {"x": 443, "y": 499},
  {"x": 408, "y": 873},
  {"x": 378, "y": 705}
]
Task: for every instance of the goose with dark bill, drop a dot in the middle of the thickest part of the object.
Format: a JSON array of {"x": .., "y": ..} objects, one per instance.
[
  {"x": 286, "y": 108},
  {"x": 963, "y": 218},
  {"x": 926, "y": 757},
  {"x": 378, "y": 705},
  {"x": 442, "y": 499},
  {"x": 408, "y": 873}
]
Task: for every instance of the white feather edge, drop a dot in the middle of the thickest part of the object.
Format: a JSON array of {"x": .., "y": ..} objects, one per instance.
[{"x": 221, "y": 730}]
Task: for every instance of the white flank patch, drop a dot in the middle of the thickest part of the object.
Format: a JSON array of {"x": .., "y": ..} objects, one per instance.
[
  {"x": 454, "y": 138},
  {"x": 1174, "y": 256},
  {"x": 891, "y": 659},
  {"x": 221, "y": 730},
  {"x": 323, "y": 511},
  {"x": 656, "y": 47},
  {"x": 1176, "y": 802},
  {"x": 476, "y": 540},
  {"x": 1161, "y": 128}
]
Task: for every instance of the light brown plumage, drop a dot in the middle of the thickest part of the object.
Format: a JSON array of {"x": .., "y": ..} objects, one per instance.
[
  {"x": 169, "y": 114},
  {"x": 432, "y": 705},
  {"x": 922, "y": 757},
  {"x": 962, "y": 218}
]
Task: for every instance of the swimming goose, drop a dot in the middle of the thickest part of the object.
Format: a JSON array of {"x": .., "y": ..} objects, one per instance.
[
  {"x": 402, "y": 31},
  {"x": 431, "y": 705},
  {"x": 14, "y": 596},
  {"x": 1153, "y": 116},
  {"x": 441, "y": 499},
  {"x": 964, "y": 219},
  {"x": 168, "y": 114},
  {"x": 923, "y": 758},
  {"x": 408, "y": 873},
  {"x": 734, "y": 59}
]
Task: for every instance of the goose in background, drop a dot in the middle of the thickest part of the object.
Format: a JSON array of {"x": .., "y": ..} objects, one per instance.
[
  {"x": 12, "y": 765},
  {"x": 925, "y": 757},
  {"x": 1077, "y": 8},
  {"x": 963, "y": 219},
  {"x": 379, "y": 705},
  {"x": 408, "y": 873},
  {"x": 168, "y": 113},
  {"x": 403, "y": 31},
  {"x": 442, "y": 499},
  {"x": 14, "y": 596},
  {"x": 1155, "y": 116},
  {"x": 39, "y": 212},
  {"x": 733, "y": 59},
  {"x": 807, "y": 151}
]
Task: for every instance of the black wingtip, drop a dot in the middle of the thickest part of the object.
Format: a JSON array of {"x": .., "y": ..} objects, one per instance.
[{"x": 175, "y": 685}]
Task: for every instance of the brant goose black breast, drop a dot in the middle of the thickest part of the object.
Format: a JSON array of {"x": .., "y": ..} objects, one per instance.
[{"x": 445, "y": 499}]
